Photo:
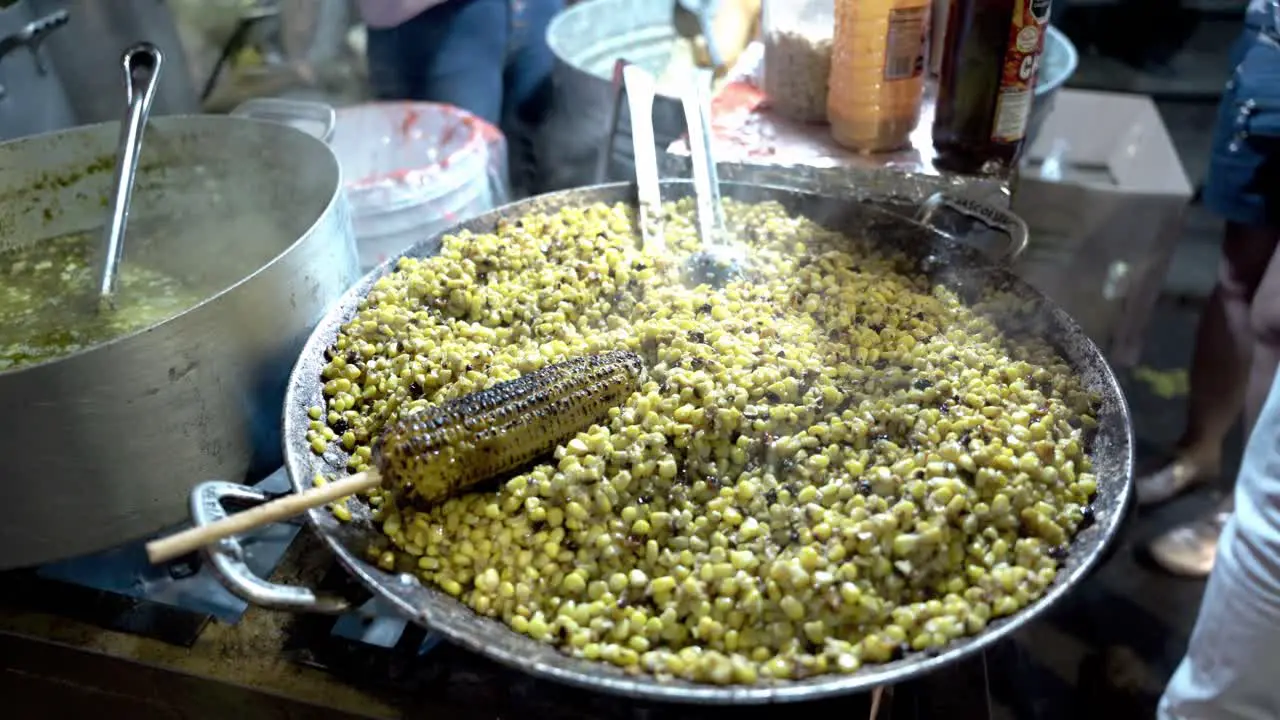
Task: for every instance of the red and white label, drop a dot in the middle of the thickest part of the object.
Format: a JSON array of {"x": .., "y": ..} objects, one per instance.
[{"x": 1018, "y": 76}]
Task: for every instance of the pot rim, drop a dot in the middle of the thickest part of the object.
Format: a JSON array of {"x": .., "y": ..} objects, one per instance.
[{"x": 336, "y": 196}]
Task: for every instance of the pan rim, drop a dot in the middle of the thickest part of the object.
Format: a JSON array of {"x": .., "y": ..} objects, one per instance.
[{"x": 437, "y": 611}]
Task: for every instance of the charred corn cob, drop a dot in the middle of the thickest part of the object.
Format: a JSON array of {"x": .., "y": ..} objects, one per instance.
[{"x": 443, "y": 450}]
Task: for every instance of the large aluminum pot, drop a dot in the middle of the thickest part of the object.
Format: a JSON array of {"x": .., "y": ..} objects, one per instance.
[
  {"x": 33, "y": 97},
  {"x": 92, "y": 40},
  {"x": 587, "y": 39},
  {"x": 101, "y": 447}
]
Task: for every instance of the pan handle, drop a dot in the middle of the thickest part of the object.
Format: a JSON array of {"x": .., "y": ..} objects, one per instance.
[
  {"x": 226, "y": 557},
  {"x": 990, "y": 215},
  {"x": 301, "y": 114}
]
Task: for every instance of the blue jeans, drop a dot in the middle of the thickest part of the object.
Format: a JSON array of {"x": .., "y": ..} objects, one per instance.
[{"x": 489, "y": 57}]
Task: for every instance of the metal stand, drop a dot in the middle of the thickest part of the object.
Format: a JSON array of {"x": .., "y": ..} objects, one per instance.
[
  {"x": 31, "y": 36},
  {"x": 615, "y": 118}
]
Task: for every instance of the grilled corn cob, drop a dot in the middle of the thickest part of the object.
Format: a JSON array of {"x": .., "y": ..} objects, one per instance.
[{"x": 441, "y": 451}]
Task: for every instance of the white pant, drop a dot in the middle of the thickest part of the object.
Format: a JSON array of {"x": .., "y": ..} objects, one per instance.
[{"x": 1232, "y": 667}]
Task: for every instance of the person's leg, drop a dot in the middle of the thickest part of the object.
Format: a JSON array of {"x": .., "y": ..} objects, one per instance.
[
  {"x": 1243, "y": 187},
  {"x": 527, "y": 88},
  {"x": 393, "y": 74},
  {"x": 1190, "y": 549},
  {"x": 1220, "y": 366},
  {"x": 1264, "y": 320},
  {"x": 1232, "y": 370},
  {"x": 461, "y": 47},
  {"x": 1224, "y": 342},
  {"x": 1224, "y": 345},
  {"x": 527, "y": 73}
]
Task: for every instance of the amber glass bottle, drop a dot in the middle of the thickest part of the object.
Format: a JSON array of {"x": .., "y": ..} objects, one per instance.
[{"x": 988, "y": 79}]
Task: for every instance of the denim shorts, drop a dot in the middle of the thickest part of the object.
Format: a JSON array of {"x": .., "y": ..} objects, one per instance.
[{"x": 1244, "y": 170}]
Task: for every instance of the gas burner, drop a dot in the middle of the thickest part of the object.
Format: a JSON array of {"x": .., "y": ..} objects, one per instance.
[
  {"x": 120, "y": 590},
  {"x": 183, "y": 585}
]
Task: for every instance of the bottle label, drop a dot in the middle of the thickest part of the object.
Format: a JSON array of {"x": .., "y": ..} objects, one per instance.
[
  {"x": 904, "y": 42},
  {"x": 1021, "y": 63}
]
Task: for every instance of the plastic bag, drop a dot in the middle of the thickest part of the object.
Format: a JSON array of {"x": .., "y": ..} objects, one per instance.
[{"x": 414, "y": 169}]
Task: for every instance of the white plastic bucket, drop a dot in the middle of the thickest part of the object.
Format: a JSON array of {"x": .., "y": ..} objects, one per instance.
[{"x": 413, "y": 169}]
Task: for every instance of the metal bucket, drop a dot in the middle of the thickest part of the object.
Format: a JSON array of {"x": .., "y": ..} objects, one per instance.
[
  {"x": 93, "y": 39},
  {"x": 1058, "y": 63},
  {"x": 102, "y": 446},
  {"x": 586, "y": 39}
]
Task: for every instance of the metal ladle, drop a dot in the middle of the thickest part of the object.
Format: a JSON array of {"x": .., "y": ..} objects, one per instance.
[
  {"x": 141, "y": 70},
  {"x": 721, "y": 259}
]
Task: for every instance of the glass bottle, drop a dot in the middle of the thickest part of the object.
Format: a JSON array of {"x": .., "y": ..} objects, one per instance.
[
  {"x": 797, "y": 57},
  {"x": 877, "y": 72},
  {"x": 938, "y": 17},
  {"x": 987, "y": 83}
]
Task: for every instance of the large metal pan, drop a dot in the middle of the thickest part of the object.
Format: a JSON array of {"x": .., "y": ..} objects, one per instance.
[
  {"x": 100, "y": 445},
  {"x": 947, "y": 259}
]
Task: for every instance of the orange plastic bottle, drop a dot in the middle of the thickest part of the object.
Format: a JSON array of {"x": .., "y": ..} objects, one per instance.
[{"x": 877, "y": 72}]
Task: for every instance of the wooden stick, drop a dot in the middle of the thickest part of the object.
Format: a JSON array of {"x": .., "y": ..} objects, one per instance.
[
  {"x": 179, "y": 544},
  {"x": 876, "y": 695}
]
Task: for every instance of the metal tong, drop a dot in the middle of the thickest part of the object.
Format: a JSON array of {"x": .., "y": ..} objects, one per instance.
[
  {"x": 720, "y": 259},
  {"x": 141, "y": 70},
  {"x": 639, "y": 88}
]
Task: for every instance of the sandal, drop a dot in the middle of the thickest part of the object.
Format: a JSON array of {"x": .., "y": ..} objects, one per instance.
[
  {"x": 1189, "y": 550},
  {"x": 1173, "y": 477}
]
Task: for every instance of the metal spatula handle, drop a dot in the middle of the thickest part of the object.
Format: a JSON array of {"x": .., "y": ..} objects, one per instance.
[
  {"x": 706, "y": 181},
  {"x": 141, "y": 69},
  {"x": 640, "y": 88}
]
